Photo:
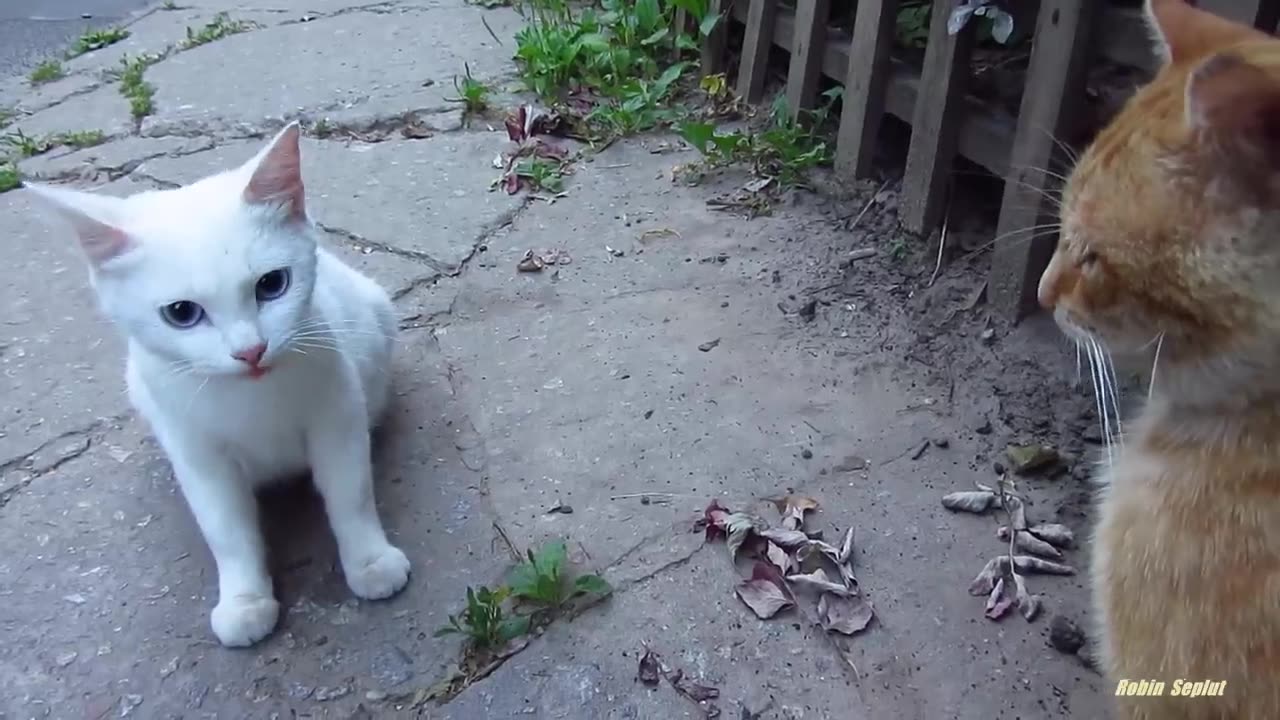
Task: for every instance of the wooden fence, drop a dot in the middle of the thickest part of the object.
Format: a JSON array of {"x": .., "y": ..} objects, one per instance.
[{"x": 1068, "y": 36}]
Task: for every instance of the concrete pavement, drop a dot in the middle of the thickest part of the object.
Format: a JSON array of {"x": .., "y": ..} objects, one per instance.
[{"x": 582, "y": 385}]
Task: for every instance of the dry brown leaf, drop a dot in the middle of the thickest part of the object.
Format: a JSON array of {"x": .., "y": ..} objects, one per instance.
[
  {"x": 990, "y": 574},
  {"x": 974, "y": 501},
  {"x": 785, "y": 538},
  {"x": 845, "y": 615},
  {"x": 999, "y": 601},
  {"x": 648, "y": 672},
  {"x": 766, "y": 592},
  {"x": 692, "y": 690},
  {"x": 1029, "y": 604},
  {"x": 818, "y": 579},
  {"x": 792, "y": 508},
  {"x": 779, "y": 558},
  {"x": 739, "y": 526},
  {"x": 846, "y": 548}
]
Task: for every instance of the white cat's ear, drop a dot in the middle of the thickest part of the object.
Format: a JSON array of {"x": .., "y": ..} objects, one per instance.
[
  {"x": 276, "y": 174},
  {"x": 93, "y": 217}
]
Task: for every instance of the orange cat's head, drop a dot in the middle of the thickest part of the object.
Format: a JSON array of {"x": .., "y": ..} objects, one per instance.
[{"x": 1171, "y": 219}]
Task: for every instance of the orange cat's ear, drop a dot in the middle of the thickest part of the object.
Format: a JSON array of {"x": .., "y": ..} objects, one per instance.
[
  {"x": 1233, "y": 108},
  {"x": 1184, "y": 33}
]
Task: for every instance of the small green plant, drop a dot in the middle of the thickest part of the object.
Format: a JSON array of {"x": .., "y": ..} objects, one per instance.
[
  {"x": 322, "y": 128},
  {"x": 9, "y": 179},
  {"x": 134, "y": 88},
  {"x": 219, "y": 27},
  {"x": 483, "y": 621},
  {"x": 898, "y": 249},
  {"x": 25, "y": 146},
  {"x": 912, "y": 26},
  {"x": 6, "y": 117},
  {"x": 541, "y": 173},
  {"x": 639, "y": 104},
  {"x": 170, "y": 5},
  {"x": 621, "y": 54},
  {"x": 786, "y": 149},
  {"x": 96, "y": 40},
  {"x": 541, "y": 580},
  {"x": 80, "y": 138},
  {"x": 473, "y": 94},
  {"x": 47, "y": 71}
]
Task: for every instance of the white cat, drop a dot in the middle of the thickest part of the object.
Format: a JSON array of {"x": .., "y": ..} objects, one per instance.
[{"x": 254, "y": 355}]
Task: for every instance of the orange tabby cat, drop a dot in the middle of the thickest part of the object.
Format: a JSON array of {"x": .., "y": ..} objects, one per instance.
[{"x": 1171, "y": 240}]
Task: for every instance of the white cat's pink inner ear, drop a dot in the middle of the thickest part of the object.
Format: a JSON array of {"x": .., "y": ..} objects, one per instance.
[
  {"x": 277, "y": 178},
  {"x": 100, "y": 240}
]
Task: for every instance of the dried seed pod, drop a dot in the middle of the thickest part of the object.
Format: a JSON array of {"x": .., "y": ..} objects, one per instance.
[
  {"x": 974, "y": 501},
  {"x": 1027, "y": 542},
  {"x": 1054, "y": 533},
  {"x": 1030, "y": 564}
]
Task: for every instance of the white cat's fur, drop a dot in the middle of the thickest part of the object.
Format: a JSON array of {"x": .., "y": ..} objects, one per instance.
[{"x": 226, "y": 431}]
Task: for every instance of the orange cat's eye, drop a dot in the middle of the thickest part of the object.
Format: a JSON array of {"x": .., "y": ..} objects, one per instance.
[{"x": 1088, "y": 258}]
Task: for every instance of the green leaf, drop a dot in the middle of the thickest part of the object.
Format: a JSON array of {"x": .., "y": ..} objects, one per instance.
[
  {"x": 551, "y": 558},
  {"x": 523, "y": 579},
  {"x": 708, "y": 24},
  {"x": 648, "y": 15},
  {"x": 513, "y": 627},
  {"x": 592, "y": 585},
  {"x": 669, "y": 76},
  {"x": 657, "y": 37},
  {"x": 698, "y": 134},
  {"x": 594, "y": 42}
]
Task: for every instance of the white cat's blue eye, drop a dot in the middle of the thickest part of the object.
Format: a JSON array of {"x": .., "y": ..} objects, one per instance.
[
  {"x": 182, "y": 314},
  {"x": 272, "y": 285}
]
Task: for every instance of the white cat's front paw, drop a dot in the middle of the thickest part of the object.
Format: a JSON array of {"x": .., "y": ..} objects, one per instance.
[
  {"x": 242, "y": 620},
  {"x": 379, "y": 575}
]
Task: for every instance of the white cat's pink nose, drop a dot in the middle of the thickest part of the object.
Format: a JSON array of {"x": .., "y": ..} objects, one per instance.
[{"x": 251, "y": 356}]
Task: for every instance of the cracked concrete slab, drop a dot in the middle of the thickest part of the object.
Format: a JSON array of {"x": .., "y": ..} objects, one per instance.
[
  {"x": 108, "y": 161},
  {"x": 667, "y": 358},
  {"x": 406, "y": 63},
  {"x": 103, "y": 109},
  {"x": 426, "y": 199}
]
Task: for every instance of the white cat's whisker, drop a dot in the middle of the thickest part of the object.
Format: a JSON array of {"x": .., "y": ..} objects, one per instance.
[
  {"x": 1155, "y": 362},
  {"x": 1111, "y": 384}
]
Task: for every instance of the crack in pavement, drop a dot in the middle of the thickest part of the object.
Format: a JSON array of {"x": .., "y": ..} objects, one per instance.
[{"x": 27, "y": 462}]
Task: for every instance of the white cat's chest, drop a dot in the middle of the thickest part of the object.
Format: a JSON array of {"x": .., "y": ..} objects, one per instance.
[{"x": 262, "y": 425}]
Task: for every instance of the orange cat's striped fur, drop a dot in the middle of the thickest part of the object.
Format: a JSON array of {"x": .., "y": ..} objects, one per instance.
[{"x": 1171, "y": 240}]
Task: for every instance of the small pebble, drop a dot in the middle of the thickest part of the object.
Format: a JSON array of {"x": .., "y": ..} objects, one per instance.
[{"x": 806, "y": 453}]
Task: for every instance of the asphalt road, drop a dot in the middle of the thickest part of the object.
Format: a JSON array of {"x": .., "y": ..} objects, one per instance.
[{"x": 33, "y": 29}]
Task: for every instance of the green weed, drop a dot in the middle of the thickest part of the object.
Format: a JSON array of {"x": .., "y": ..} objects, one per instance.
[
  {"x": 219, "y": 27},
  {"x": 9, "y": 179},
  {"x": 96, "y": 40},
  {"x": 541, "y": 580},
  {"x": 47, "y": 71},
  {"x": 785, "y": 149},
  {"x": 170, "y": 5},
  {"x": 542, "y": 174},
  {"x": 483, "y": 621},
  {"x": 80, "y": 139},
  {"x": 912, "y": 27},
  {"x": 473, "y": 94},
  {"x": 6, "y": 117},
  {"x": 25, "y": 146},
  {"x": 134, "y": 88},
  {"x": 623, "y": 53}
]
